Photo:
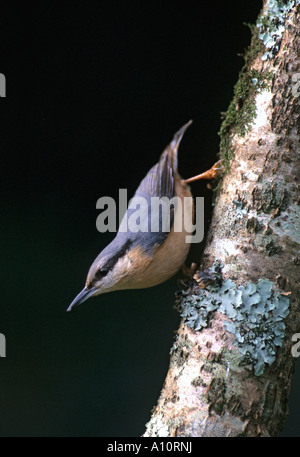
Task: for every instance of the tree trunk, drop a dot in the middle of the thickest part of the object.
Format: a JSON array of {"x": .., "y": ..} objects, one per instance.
[{"x": 232, "y": 362}]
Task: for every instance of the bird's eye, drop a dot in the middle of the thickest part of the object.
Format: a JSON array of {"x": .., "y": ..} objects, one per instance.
[{"x": 101, "y": 273}]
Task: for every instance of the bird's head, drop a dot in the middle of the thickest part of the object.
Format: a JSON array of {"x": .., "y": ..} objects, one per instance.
[{"x": 109, "y": 271}]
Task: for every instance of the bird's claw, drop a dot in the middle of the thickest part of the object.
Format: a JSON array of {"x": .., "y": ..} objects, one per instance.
[
  {"x": 212, "y": 173},
  {"x": 216, "y": 170}
]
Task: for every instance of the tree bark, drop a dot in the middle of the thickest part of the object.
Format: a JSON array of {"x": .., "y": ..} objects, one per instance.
[{"x": 231, "y": 364}]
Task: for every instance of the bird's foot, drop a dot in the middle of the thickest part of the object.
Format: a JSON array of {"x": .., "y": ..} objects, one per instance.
[
  {"x": 204, "y": 278},
  {"x": 188, "y": 273},
  {"x": 212, "y": 173}
]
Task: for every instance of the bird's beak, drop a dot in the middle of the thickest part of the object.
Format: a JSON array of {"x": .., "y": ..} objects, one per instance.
[
  {"x": 81, "y": 297},
  {"x": 178, "y": 135}
]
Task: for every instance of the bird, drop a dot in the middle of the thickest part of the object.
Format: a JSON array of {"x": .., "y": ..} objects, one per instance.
[{"x": 137, "y": 259}]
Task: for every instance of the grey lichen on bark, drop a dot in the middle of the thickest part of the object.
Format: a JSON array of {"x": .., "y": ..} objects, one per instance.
[{"x": 231, "y": 364}]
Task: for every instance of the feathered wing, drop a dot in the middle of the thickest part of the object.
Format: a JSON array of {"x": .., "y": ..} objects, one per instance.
[{"x": 159, "y": 182}]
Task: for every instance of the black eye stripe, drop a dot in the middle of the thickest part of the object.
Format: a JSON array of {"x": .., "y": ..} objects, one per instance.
[{"x": 101, "y": 273}]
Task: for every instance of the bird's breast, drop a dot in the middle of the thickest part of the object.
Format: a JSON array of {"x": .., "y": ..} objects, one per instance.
[{"x": 152, "y": 268}]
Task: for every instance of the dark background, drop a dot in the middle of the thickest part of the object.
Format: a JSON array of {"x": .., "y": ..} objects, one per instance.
[{"x": 95, "y": 91}]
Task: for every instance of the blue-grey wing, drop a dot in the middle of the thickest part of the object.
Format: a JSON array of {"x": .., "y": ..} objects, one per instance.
[
  {"x": 150, "y": 215},
  {"x": 149, "y": 226}
]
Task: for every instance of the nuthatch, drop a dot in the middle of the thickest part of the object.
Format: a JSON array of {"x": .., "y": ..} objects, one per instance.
[{"x": 140, "y": 259}]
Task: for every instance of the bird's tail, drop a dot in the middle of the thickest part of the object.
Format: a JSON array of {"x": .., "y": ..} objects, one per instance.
[
  {"x": 173, "y": 146},
  {"x": 160, "y": 179}
]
